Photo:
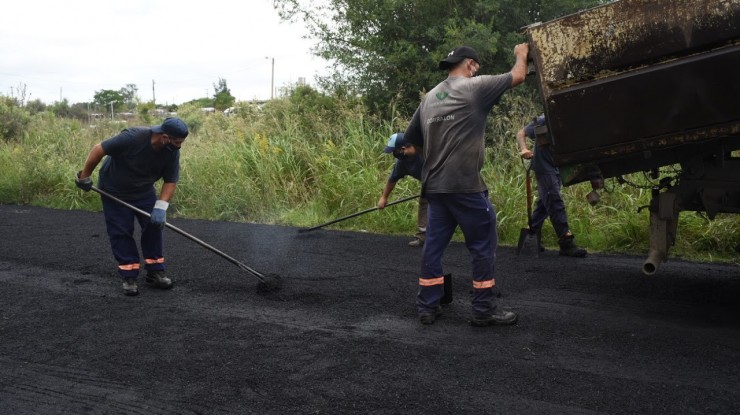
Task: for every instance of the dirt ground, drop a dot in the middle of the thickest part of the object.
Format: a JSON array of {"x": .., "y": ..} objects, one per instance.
[{"x": 341, "y": 337}]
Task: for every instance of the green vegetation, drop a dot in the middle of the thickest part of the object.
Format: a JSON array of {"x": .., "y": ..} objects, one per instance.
[
  {"x": 311, "y": 158},
  {"x": 387, "y": 50}
]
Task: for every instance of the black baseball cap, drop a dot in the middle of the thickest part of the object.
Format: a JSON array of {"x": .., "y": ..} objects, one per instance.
[
  {"x": 173, "y": 127},
  {"x": 457, "y": 55}
]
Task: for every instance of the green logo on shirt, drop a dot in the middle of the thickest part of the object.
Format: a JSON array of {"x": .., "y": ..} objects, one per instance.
[{"x": 442, "y": 95}]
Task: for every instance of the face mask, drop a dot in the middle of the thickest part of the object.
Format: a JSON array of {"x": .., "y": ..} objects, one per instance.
[
  {"x": 399, "y": 154},
  {"x": 171, "y": 147}
]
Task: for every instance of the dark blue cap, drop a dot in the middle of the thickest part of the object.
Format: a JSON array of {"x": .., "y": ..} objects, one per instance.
[
  {"x": 173, "y": 127},
  {"x": 396, "y": 141}
]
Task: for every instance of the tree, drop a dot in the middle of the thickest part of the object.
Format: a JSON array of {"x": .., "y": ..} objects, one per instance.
[
  {"x": 130, "y": 99},
  {"x": 79, "y": 111},
  {"x": 222, "y": 98},
  {"x": 105, "y": 97},
  {"x": 14, "y": 120},
  {"x": 35, "y": 106},
  {"x": 388, "y": 50},
  {"x": 61, "y": 109}
]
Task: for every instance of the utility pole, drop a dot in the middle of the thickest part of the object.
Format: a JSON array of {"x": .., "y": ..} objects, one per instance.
[
  {"x": 154, "y": 97},
  {"x": 272, "y": 78}
]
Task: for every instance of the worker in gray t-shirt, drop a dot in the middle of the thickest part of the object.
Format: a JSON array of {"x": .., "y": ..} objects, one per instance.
[{"x": 449, "y": 125}]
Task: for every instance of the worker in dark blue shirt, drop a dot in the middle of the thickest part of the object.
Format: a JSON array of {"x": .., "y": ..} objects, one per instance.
[
  {"x": 550, "y": 202},
  {"x": 408, "y": 163},
  {"x": 134, "y": 160}
]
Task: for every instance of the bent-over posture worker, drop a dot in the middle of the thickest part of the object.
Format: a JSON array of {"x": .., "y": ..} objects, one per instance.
[
  {"x": 134, "y": 160},
  {"x": 408, "y": 163},
  {"x": 449, "y": 124},
  {"x": 549, "y": 201}
]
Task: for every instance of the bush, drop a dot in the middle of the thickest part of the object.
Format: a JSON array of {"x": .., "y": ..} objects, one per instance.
[
  {"x": 14, "y": 120},
  {"x": 314, "y": 158}
]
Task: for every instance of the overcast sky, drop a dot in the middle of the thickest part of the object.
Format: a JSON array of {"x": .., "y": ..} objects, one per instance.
[{"x": 70, "y": 49}]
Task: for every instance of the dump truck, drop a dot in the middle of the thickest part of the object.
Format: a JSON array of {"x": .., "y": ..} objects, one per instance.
[{"x": 638, "y": 85}]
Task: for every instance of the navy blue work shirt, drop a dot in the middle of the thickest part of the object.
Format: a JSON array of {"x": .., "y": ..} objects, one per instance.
[
  {"x": 408, "y": 167},
  {"x": 132, "y": 165},
  {"x": 542, "y": 161}
]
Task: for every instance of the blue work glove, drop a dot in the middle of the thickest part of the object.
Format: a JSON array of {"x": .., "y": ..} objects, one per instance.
[
  {"x": 84, "y": 184},
  {"x": 159, "y": 213}
]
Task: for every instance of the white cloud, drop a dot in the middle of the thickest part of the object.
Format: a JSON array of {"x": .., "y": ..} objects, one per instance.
[{"x": 74, "y": 48}]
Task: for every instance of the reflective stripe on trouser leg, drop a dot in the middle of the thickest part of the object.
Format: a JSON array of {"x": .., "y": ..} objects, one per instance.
[
  {"x": 476, "y": 217},
  {"x": 119, "y": 223},
  {"x": 440, "y": 227},
  {"x": 151, "y": 238}
]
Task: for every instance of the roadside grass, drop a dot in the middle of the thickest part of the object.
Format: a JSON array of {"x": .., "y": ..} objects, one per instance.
[{"x": 286, "y": 165}]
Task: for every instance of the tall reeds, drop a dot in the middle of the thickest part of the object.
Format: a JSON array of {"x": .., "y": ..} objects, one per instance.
[{"x": 303, "y": 162}]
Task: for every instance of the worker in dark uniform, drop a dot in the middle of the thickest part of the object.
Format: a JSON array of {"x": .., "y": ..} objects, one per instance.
[
  {"x": 549, "y": 202},
  {"x": 134, "y": 160},
  {"x": 408, "y": 163},
  {"x": 449, "y": 124}
]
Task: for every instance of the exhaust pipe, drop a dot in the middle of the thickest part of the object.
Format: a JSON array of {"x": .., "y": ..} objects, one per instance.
[
  {"x": 653, "y": 261},
  {"x": 663, "y": 223}
]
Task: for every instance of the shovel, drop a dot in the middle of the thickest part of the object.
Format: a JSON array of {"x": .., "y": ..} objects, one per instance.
[
  {"x": 527, "y": 238},
  {"x": 267, "y": 283}
]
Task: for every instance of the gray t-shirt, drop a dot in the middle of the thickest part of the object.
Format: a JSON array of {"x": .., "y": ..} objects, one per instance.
[{"x": 449, "y": 124}]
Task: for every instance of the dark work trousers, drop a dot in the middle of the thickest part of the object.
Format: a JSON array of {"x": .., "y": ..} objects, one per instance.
[
  {"x": 550, "y": 204},
  {"x": 119, "y": 221},
  {"x": 475, "y": 215}
]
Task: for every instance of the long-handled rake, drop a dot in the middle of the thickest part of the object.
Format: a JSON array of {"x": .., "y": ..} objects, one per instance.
[
  {"x": 267, "y": 282},
  {"x": 405, "y": 199}
]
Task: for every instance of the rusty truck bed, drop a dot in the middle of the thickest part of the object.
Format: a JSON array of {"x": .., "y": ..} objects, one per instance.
[{"x": 638, "y": 84}]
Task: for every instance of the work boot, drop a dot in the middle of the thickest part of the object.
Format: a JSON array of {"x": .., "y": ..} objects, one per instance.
[
  {"x": 429, "y": 318},
  {"x": 158, "y": 280},
  {"x": 497, "y": 318},
  {"x": 417, "y": 242},
  {"x": 569, "y": 248},
  {"x": 130, "y": 287}
]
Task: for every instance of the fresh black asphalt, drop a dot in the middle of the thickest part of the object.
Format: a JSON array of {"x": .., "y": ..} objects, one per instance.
[{"x": 341, "y": 336}]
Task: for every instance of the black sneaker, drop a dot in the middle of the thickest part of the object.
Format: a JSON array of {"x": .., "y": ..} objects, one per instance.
[
  {"x": 158, "y": 280},
  {"x": 498, "y": 318},
  {"x": 130, "y": 287},
  {"x": 429, "y": 318}
]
